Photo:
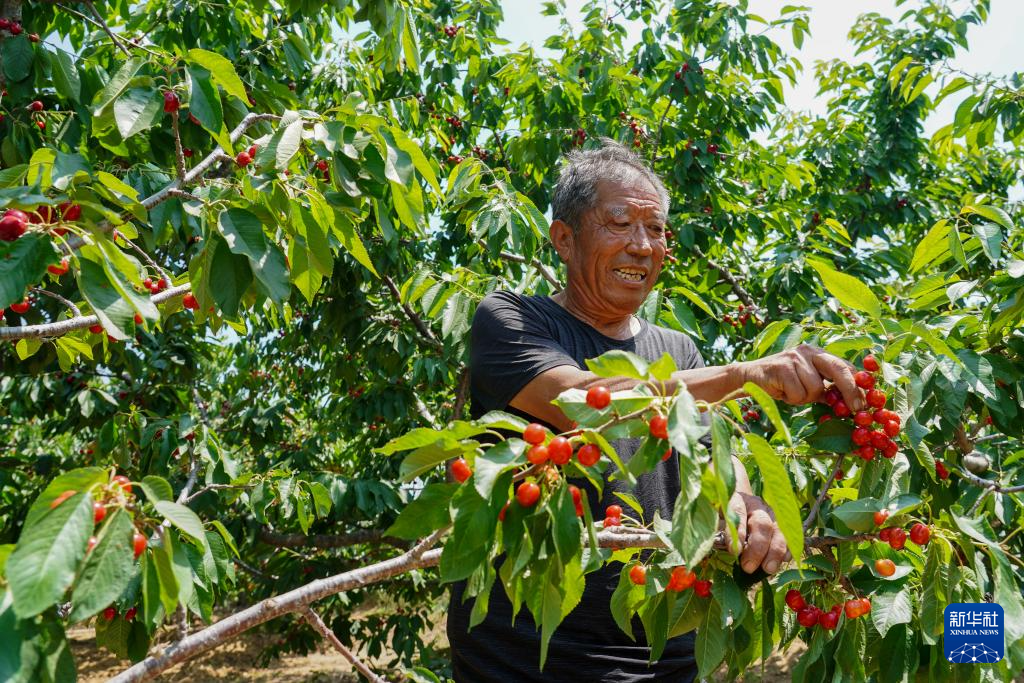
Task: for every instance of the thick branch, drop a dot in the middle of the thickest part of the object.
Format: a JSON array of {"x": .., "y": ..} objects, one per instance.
[
  {"x": 813, "y": 514},
  {"x": 328, "y": 540},
  {"x": 995, "y": 486},
  {"x": 724, "y": 273},
  {"x": 79, "y": 322},
  {"x": 421, "y": 327},
  {"x": 318, "y": 624},
  {"x": 424, "y": 411},
  {"x": 461, "y": 394},
  {"x": 535, "y": 262}
]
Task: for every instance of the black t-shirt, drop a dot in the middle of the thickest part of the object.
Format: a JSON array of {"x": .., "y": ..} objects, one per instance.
[{"x": 515, "y": 338}]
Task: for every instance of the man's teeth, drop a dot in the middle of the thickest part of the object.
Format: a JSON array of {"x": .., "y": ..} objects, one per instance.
[{"x": 630, "y": 275}]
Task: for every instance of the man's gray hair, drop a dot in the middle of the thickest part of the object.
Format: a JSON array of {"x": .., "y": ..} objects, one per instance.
[{"x": 576, "y": 189}]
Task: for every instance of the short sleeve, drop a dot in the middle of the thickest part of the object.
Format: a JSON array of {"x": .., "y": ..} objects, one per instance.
[{"x": 510, "y": 344}]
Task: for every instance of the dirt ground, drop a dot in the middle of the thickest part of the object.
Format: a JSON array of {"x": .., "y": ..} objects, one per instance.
[{"x": 236, "y": 661}]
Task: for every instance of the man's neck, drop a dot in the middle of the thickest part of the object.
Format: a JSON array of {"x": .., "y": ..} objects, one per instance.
[{"x": 616, "y": 327}]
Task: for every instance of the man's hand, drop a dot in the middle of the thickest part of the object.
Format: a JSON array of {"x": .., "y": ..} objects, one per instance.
[
  {"x": 761, "y": 541},
  {"x": 797, "y": 376}
]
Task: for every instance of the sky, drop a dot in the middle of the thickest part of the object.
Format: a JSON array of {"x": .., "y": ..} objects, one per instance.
[{"x": 996, "y": 46}]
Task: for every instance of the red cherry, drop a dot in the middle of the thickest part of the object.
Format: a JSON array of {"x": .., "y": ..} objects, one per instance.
[
  {"x": 879, "y": 439},
  {"x": 853, "y": 609},
  {"x": 501, "y": 513},
  {"x": 841, "y": 409},
  {"x": 870, "y": 363},
  {"x": 13, "y": 225},
  {"x": 638, "y": 574},
  {"x": 41, "y": 125},
  {"x": 613, "y": 511},
  {"x": 941, "y": 472},
  {"x": 681, "y": 579},
  {"x": 252, "y": 150},
  {"x": 243, "y": 159},
  {"x": 832, "y": 396},
  {"x": 61, "y": 498},
  {"x": 36, "y": 105},
  {"x": 461, "y": 470},
  {"x": 599, "y": 398},
  {"x": 560, "y": 450},
  {"x": 891, "y": 428},
  {"x": 534, "y": 433},
  {"x": 890, "y": 450},
  {"x": 130, "y": 614},
  {"x": 702, "y": 588},
  {"x": 138, "y": 543},
  {"x": 839, "y": 475},
  {"x": 862, "y": 418},
  {"x": 864, "y": 380},
  {"x": 15, "y": 28},
  {"x": 189, "y": 301},
  {"x": 22, "y": 306},
  {"x": 321, "y": 165},
  {"x": 659, "y": 427},
  {"x": 187, "y": 152},
  {"x": 824, "y": 418},
  {"x": 138, "y": 318},
  {"x": 881, "y": 516},
  {"x": 829, "y": 620},
  {"x": 808, "y": 616},
  {"x": 588, "y": 454},
  {"x": 866, "y": 452},
  {"x": 885, "y": 533},
  {"x": 865, "y": 605},
  {"x": 667, "y": 455},
  {"x": 171, "y": 102},
  {"x": 528, "y": 494},
  {"x": 876, "y": 398},
  {"x": 920, "y": 534},
  {"x": 124, "y": 482},
  {"x": 96, "y": 329},
  {"x": 161, "y": 284},
  {"x": 897, "y": 538},
  {"x": 109, "y": 613},
  {"x": 577, "y": 495},
  {"x": 60, "y": 269},
  {"x": 538, "y": 454},
  {"x": 795, "y": 599},
  {"x": 612, "y": 521},
  {"x": 99, "y": 511},
  {"x": 861, "y": 436}
]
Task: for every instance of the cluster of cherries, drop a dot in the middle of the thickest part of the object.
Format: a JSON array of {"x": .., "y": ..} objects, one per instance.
[
  {"x": 323, "y": 167},
  {"x": 679, "y": 580},
  {"x": 579, "y": 136},
  {"x": 811, "y": 615},
  {"x": 868, "y": 441},
  {"x": 14, "y": 223},
  {"x": 245, "y": 157},
  {"x": 743, "y": 314},
  {"x": 451, "y": 30},
  {"x": 119, "y": 487},
  {"x": 897, "y": 539}
]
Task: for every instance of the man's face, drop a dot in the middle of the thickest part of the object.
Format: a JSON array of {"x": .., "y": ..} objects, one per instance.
[{"x": 615, "y": 258}]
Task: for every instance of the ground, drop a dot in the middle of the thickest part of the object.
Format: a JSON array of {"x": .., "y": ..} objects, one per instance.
[{"x": 235, "y": 661}]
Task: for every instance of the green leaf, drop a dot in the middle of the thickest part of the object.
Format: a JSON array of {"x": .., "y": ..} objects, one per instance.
[
  {"x": 229, "y": 276},
  {"x": 222, "y": 71},
  {"x": 137, "y": 110},
  {"x": 349, "y": 238},
  {"x": 204, "y": 100},
  {"x": 156, "y": 488},
  {"x": 472, "y": 534},
  {"x": 770, "y": 409},
  {"x": 624, "y": 601},
  {"x": 183, "y": 518},
  {"x": 991, "y": 239},
  {"x": 499, "y": 458},
  {"x": 116, "y": 85},
  {"x": 243, "y": 232},
  {"x": 858, "y": 514},
  {"x": 778, "y": 493},
  {"x": 889, "y": 609},
  {"x": 847, "y": 289},
  {"x": 693, "y": 530},
  {"x": 283, "y": 144},
  {"x": 654, "y": 617},
  {"x": 42, "y": 566},
  {"x": 17, "y": 55},
  {"x": 832, "y": 436},
  {"x": 710, "y": 646},
  {"x": 169, "y": 589},
  {"x": 550, "y": 613},
  {"x": 65, "y": 75},
  {"x": 108, "y": 568},
  {"x": 618, "y": 364},
  {"x": 426, "y": 513},
  {"x": 993, "y": 213},
  {"x": 23, "y": 263}
]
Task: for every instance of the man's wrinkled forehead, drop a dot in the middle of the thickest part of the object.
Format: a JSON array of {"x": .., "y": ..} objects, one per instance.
[{"x": 628, "y": 198}]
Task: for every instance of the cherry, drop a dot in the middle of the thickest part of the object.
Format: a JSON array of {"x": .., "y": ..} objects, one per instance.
[
  {"x": 599, "y": 398},
  {"x": 461, "y": 470},
  {"x": 891, "y": 428},
  {"x": 824, "y": 418},
  {"x": 124, "y": 482},
  {"x": 613, "y": 511},
  {"x": 253, "y": 149},
  {"x": 501, "y": 513},
  {"x": 808, "y": 616},
  {"x": 138, "y": 544},
  {"x": 15, "y": 28},
  {"x": 612, "y": 521},
  {"x": 109, "y": 613},
  {"x": 187, "y": 152},
  {"x": 870, "y": 363},
  {"x": 752, "y": 415},
  {"x": 876, "y": 398},
  {"x": 99, "y": 511},
  {"x": 41, "y": 125},
  {"x": 189, "y": 301},
  {"x": 832, "y": 396},
  {"x": 882, "y": 416},
  {"x": 69, "y": 211},
  {"x": 678, "y": 75},
  {"x": 560, "y": 450},
  {"x": 667, "y": 455},
  {"x": 681, "y": 579},
  {"x": 861, "y": 435},
  {"x": 13, "y": 225},
  {"x": 638, "y": 574},
  {"x": 881, "y": 516},
  {"x": 885, "y": 533},
  {"x": 130, "y": 614},
  {"x": 22, "y": 306},
  {"x": 879, "y": 439},
  {"x": 839, "y": 475},
  {"x": 897, "y": 539},
  {"x": 243, "y": 159},
  {"x": 864, "y": 380},
  {"x": 138, "y": 318},
  {"x": 920, "y": 534},
  {"x": 941, "y": 472},
  {"x": 866, "y": 452},
  {"x": 321, "y": 165},
  {"x": 534, "y": 433},
  {"x": 91, "y": 543},
  {"x": 36, "y": 105},
  {"x": 538, "y": 455},
  {"x": 865, "y": 605},
  {"x": 862, "y": 418},
  {"x": 884, "y": 567},
  {"x": 829, "y": 620},
  {"x": 588, "y": 454},
  {"x": 61, "y": 498},
  {"x": 841, "y": 409},
  {"x": 702, "y": 588},
  {"x": 58, "y": 269},
  {"x": 96, "y": 329},
  {"x": 853, "y": 609},
  {"x": 659, "y": 427},
  {"x": 171, "y": 102},
  {"x": 795, "y": 599},
  {"x": 577, "y": 499}
]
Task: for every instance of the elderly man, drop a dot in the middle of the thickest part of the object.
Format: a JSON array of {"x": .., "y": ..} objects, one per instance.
[{"x": 608, "y": 226}]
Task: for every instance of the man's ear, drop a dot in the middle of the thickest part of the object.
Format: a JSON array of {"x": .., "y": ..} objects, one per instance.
[{"x": 562, "y": 238}]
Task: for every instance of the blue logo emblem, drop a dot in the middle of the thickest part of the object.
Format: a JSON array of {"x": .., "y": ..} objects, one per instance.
[{"x": 974, "y": 633}]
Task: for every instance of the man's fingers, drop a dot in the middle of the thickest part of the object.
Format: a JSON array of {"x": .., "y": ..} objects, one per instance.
[
  {"x": 795, "y": 393},
  {"x": 776, "y": 552},
  {"x": 760, "y": 528},
  {"x": 814, "y": 385}
]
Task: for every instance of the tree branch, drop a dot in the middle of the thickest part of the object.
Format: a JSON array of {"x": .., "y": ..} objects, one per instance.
[
  {"x": 728, "y": 277},
  {"x": 535, "y": 262},
  {"x": 425, "y": 332},
  {"x": 813, "y": 514},
  {"x": 424, "y": 411},
  {"x": 99, "y": 21},
  {"x": 318, "y": 624},
  {"x": 461, "y": 394},
  {"x": 351, "y": 538},
  {"x": 995, "y": 486},
  {"x": 58, "y": 297}
]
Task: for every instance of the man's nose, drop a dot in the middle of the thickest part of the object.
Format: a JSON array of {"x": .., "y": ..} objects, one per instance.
[{"x": 640, "y": 242}]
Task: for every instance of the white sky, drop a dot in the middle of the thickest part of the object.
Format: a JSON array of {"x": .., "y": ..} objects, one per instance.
[{"x": 995, "y": 47}]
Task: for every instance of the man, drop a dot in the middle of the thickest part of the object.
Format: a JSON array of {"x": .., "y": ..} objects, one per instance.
[{"x": 608, "y": 226}]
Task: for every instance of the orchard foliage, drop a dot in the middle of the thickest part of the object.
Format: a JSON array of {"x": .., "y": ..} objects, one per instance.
[{"x": 252, "y": 242}]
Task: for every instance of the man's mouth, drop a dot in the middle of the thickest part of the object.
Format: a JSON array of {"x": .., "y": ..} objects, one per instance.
[{"x": 631, "y": 274}]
